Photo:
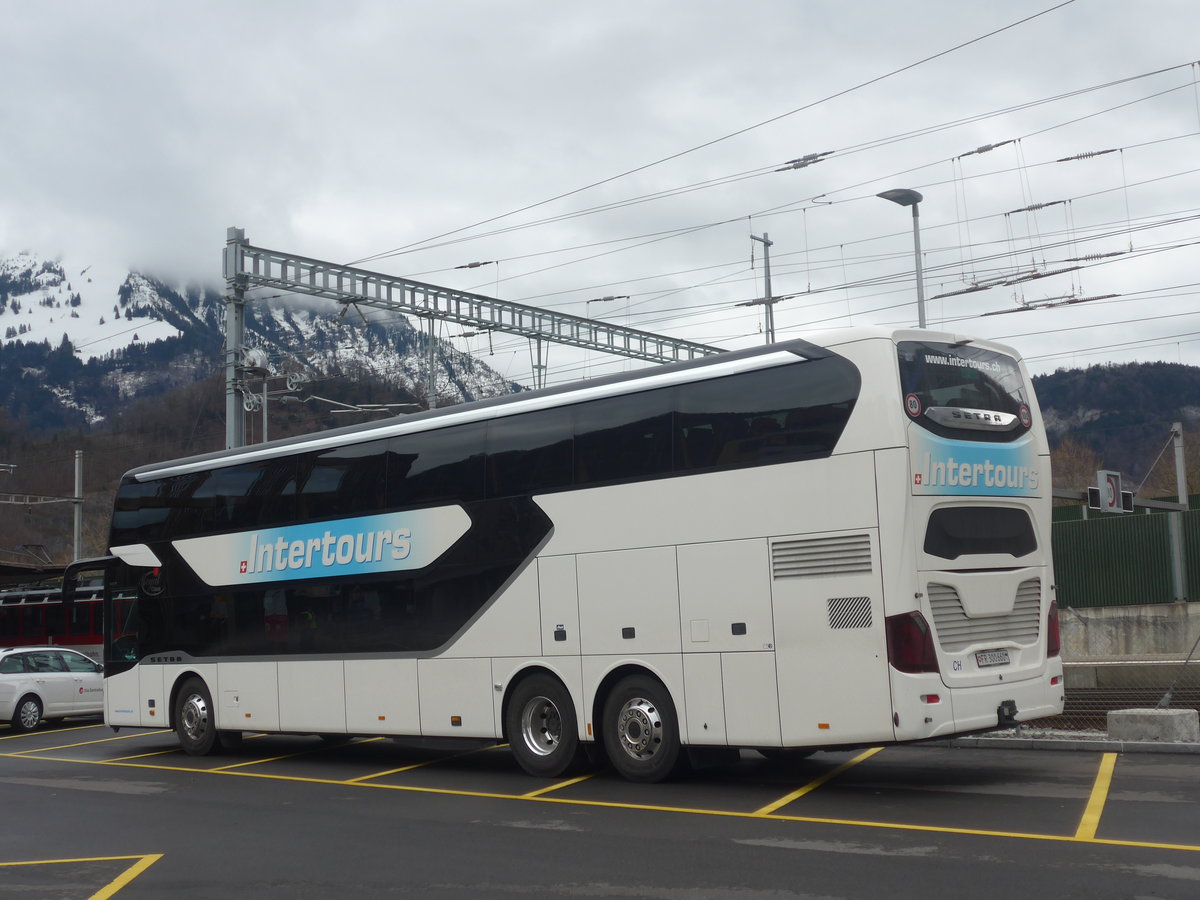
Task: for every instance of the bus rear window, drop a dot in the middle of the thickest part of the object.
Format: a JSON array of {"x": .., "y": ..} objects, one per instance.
[
  {"x": 955, "y": 531},
  {"x": 962, "y": 391}
]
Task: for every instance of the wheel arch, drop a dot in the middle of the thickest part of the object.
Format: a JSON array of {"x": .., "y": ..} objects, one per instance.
[
  {"x": 516, "y": 680},
  {"x": 176, "y": 685},
  {"x": 610, "y": 681}
]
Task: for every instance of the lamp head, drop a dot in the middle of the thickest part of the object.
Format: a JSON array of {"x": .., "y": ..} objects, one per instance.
[{"x": 902, "y": 196}]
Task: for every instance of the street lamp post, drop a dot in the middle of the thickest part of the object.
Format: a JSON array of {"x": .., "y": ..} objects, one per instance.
[{"x": 908, "y": 197}]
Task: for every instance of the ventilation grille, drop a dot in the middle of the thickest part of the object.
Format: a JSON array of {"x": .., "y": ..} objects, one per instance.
[
  {"x": 806, "y": 557},
  {"x": 849, "y": 612},
  {"x": 957, "y": 632}
]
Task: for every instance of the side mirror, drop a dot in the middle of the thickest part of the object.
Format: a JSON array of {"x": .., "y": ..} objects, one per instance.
[{"x": 71, "y": 575}]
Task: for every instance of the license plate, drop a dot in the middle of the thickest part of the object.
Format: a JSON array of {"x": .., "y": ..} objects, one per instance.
[{"x": 991, "y": 658}]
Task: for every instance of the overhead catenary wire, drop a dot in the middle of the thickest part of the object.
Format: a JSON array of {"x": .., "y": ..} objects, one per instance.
[{"x": 730, "y": 135}]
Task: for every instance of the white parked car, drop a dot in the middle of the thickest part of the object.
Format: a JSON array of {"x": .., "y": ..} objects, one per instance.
[{"x": 49, "y": 683}]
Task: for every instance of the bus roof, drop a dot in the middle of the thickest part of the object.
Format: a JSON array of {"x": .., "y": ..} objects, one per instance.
[{"x": 509, "y": 404}]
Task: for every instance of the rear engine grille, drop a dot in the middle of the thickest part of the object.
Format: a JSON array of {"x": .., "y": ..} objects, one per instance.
[
  {"x": 807, "y": 557},
  {"x": 955, "y": 631},
  {"x": 849, "y": 612}
]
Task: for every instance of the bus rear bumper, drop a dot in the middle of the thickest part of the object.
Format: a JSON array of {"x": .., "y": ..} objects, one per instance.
[
  {"x": 1008, "y": 704},
  {"x": 960, "y": 710}
]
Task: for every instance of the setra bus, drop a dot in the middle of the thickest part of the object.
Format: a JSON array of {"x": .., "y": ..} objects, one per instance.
[{"x": 829, "y": 543}]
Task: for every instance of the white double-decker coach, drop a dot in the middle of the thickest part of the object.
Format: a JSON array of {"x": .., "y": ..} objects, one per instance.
[{"x": 786, "y": 548}]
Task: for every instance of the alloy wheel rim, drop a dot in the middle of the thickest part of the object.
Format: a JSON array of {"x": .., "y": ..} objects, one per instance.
[
  {"x": 639, "y": 728},
  {"x": 541, "y": 726}
]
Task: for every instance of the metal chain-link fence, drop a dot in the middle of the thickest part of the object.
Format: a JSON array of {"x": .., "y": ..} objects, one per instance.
[{"x": 1095, "y": 688}]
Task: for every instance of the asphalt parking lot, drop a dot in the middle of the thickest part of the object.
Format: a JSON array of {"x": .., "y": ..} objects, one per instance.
[{"x": 128, "y": 815}]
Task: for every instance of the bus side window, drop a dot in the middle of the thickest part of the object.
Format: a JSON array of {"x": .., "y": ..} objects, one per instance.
[
  {"x": 623, "y": 438},
  {"x": 436, "y": 466},
  {"x": 529, "y": 453}
]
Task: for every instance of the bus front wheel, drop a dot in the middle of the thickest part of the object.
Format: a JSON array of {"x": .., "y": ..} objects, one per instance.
[
  {"x": 195, "y": 720},
  {"x": 641, "y": 730},
  {"x": 542, "y": 728}
]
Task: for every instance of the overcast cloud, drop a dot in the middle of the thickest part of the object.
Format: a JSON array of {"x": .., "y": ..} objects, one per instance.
[{"x": 138, "y": 131}]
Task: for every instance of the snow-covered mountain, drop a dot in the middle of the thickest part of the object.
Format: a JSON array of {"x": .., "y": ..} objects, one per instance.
[{"x": 79, "y": 338}]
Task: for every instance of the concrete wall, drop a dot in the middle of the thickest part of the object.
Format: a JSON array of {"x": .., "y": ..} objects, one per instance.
[{"x": 1150, "y": 632}]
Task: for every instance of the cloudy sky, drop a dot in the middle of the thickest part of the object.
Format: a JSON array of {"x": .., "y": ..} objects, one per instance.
[{"x": 631, "y": 149}]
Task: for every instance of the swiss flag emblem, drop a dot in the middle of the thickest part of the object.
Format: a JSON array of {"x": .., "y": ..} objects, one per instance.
[
  {"x": 242, "y": 567},
  {"x": 916, "y": 480}
]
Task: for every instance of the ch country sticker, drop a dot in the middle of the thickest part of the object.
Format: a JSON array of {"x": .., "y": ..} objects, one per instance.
[{"x": 360, "y": 546}]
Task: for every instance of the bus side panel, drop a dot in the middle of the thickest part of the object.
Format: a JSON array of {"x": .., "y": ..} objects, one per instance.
[
  {"x": 725, "y": 597},
  {"x": 558, "y": 588},
  {"x": 456, "y": 690},
  {"x": 123, "y": 698},
  {"x": 312, "y": 696},
  {"x": 629, "y": 601},
  {"x": 725, "y": 609},
  {"x": 831, "y": 647},
  {"x": 751, "y": 699},
  {"x": 249, "y": 696},
  {"x": 153, "y": 698},
  {"x": 507, "y": 627},
  {"x": 704, "y": 699},
  {"x": 381, "y": 696}
]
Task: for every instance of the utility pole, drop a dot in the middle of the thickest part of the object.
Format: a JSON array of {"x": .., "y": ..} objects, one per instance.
[
  {"x": 768, "y": 300},
  {"x": 78, "y": 503},
  {"x": 431, "y": 367},
  {"x": 1175, "y": 529},
  {"x": 28, "y": 500},
  {"x": 235, "y": 331}
]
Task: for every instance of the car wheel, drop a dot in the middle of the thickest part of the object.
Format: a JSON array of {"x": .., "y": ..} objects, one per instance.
[
  {"x": 542, "y": 729},
  {"x": 195, "y": 719},
  {"x": 27, "y": 714},
  {"x": 641, "y": 730}
]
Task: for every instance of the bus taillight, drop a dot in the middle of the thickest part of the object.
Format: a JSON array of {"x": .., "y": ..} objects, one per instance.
[
  {"x": 1053, "y": 638},
  {"x": 910, "y": 644}
]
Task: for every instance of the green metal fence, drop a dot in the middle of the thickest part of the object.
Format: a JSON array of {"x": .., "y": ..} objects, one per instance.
[{"x": 1123, "y": 560}]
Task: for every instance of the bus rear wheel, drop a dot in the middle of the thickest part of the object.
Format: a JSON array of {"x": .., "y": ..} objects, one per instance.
[
  {"x": 195, "y": 719},
  {"x": 641, "y": 730},
  {"x": 542, "y": 729}
]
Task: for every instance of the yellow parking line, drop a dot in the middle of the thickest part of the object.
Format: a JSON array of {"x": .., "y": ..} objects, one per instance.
[
  {"x": 310, "y": 750},
  {"x": 554, "y": 787},
  {"x": 255, "y": 762},
  {"x": 141, "y": 864},
  {"x": 813, "y": 785},
  {"x": 733, "y": 814},
  {"x": 1091, "y": 816},
  {"x": 80, "y": 859},
  {"x": 119, "y": 737},
  {"x": 110, "y": 889},
  {"x": 166, "y": 752},
  {"x": 429, "y": 762},
  {"x": 28, "y": 734}
]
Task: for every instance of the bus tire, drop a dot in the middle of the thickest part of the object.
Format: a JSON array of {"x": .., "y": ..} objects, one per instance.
[
  {"x": 542, "y": 729},
  {"x": 195, "y": 720},
  {"x": 641, "y": 729},
  {"x": 27, "y": 714}
]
